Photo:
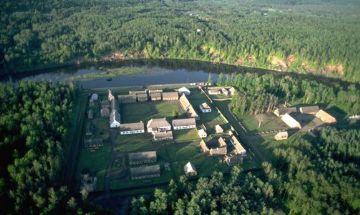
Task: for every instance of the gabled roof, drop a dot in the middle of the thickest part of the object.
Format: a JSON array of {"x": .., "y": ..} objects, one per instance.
[
  {"x": 162, "y": 135},
  {"x": 290, "y": 121},
  {"x": 310, "y": 109},
  {"x": 132, "y": 126},
  {"x": 158, "y": 123},
  {"x": 142, "y": 156},
  {"x": 325, "y": 117},
  {"x": 221, "y": 142},
  {"x": 184, "y": 122},
  {"x": 167, "y": 95},
  {"x": 239, "y": 149}
]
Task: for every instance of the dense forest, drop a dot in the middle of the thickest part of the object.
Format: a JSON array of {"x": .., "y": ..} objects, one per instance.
[
  {"x": 311, "y": 175},
  {"x": 33, "y": 121},
  {"x": 260, "y": 93},
  {"x": 299, "y": 35}
]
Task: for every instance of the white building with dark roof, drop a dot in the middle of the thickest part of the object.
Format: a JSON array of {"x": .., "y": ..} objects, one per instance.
[{"x": 180, "y": 124}]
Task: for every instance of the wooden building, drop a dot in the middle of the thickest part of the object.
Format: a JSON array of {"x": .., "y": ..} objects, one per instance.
[
  {"x": 325, "y": 117},
  {"x": 155, "y": 96},
  {"x": 187, "y": 107},
  {"x": 125, "y": 99},
  {"x": 290, "y": 121},
  {"x": 139, "y": 158},
  {"x": 143, "y": 172},
  {"x": 282, "y": 135},
  {"x": 205, "y": 108},
  {"x": 170, "y": 96},
  {"x": 162, "y": 136},
  {"x": 309, "y": 109},
  {"x": 204, "y": 147},
  {"x": 181, "y": 124},
  {"x": 132, "y": 128},
  {"x": 158, "y": 125},
  {"x": 142, "y": 97}
]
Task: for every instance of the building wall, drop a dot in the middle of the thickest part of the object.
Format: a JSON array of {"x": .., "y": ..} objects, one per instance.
[
  {"x": 132, "y": 132},
  {"x": 184, "y": 127}
]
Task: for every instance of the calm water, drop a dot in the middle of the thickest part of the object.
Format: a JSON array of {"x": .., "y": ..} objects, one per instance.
[{"x": 151, "y": 75}]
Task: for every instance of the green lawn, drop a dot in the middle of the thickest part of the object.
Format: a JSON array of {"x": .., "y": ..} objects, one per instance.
[
  {"x": 96, "y": 162},
  {"x": 145, "y": 111},
  {"x": 186, "y": 135},
  {"x": 208, "y": 119},
  {"x": 268, "y": 122}
]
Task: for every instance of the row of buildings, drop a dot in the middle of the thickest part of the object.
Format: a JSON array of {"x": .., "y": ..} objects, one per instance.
[
  {"x": 227, "y": 91},
  {"x": 152, "y": 95}
]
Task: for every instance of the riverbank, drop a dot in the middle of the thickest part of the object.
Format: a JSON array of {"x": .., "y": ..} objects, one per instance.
[{"x": 183, "y": 64}]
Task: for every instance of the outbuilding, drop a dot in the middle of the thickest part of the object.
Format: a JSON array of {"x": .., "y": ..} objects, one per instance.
[{"x": 190, "y": 170}]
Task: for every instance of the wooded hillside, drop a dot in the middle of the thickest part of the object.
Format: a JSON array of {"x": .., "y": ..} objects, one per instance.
[{"x": 303, "y": 36}]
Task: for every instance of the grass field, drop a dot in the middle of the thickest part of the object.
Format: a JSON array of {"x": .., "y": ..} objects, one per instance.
[
  {"x": 145, "y": 111},
  {"x": 208, "y": 119},
  {"x": 268, "y": 122}
]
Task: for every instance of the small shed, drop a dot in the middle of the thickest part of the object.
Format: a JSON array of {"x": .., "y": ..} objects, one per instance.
[
  {"x": 190, "y": 170},
  {"x": 282, "y": 135},
  {"x": 202, "y": 133}
]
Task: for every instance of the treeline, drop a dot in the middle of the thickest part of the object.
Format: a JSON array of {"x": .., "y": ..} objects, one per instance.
[
  {"x": 309, "y": 175},
  {"x": 33, "y": 121},
  {"x": 239, "y": 193},
  {"x": 259, "y": 92},
  {"x": 258, "y": 34}
]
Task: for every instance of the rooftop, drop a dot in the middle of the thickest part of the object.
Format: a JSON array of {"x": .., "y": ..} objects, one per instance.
[
  {"x": 184, "y": 122},
  {"x": 158, "y": 123},
  {"x": 132, "y": 126}
]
